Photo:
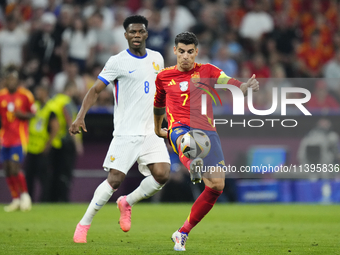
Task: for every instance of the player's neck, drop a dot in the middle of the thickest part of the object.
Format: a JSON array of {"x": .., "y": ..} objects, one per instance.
[{"x": 138, "y": 52}]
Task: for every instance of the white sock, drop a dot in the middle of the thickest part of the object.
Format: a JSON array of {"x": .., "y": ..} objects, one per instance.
[
  {"x": 147, "y": 188},
  {"x": 102, "y": 194}
]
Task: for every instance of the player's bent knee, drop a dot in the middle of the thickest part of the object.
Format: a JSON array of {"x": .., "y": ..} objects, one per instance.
[
  {"x": 161, "y": 172},
  {"x": 216, "y": 184},
  {"x": 115, "y": 178}
]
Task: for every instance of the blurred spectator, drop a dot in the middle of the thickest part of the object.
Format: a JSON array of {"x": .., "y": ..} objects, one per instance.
[
  {"x": 204, "y": 35},
  {"x": 42, "y": 46},
  {"x": 222, "y": 60},
  {"x": 271, "y": 52},
  {"x": 118, "y": 31},
  {"x": 319, "y": 146},
  {"x": 332, "y": 74},
  {"x": 203, "y": 54},
  {"x": 336, "y": 39},
  {"x": 258, "y": 66},
  {"x": 105, "y": 98},
  {"x": 79, "y": 44},
  {"x": 211, "y": 16},
  {"x": 321, "y": 100},
  {"x": 30, "y": 74},
  {"x": 71, "y": 74},
  {"x": 64, "y": 21},
  {"x": 234, "y": 14},
  {"x": 12, "y": 41},
  {"x": 313, "y": 19},
  {"x": 256, "y": 22},
  {"x": 278, "y": 79},
  {"x": 54, "y": 6},
  {"x": 20, "y": 10},
  {"x": 105, "y": 47},
  {"x": 39, "y": 7},
  {"x": 147, "y": 8},
  {"x": 244, "y": 72},
  {"x": 229, "y": 37},
  {"x": 64, "y": 147},
  {"x": 331, "y": 14},
  {"x": 285, "y": 36},
  {"x": 311, "y": 55},
  {"x": 177, "y": 17},
  {"x": 43, "y": 127},
  {"x": 159, "y": 36},
  {"x": 99, "y": 6}
]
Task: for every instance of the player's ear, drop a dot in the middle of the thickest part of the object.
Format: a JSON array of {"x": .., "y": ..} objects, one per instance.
[
  {"x": 175, "y": 48},
  {"x": 125, "y": 34},
  {"x": 196, "y": 51}
]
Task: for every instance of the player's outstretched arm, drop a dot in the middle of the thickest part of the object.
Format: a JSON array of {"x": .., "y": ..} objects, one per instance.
[
  {"x": 89, "y": 100},
  {"x": 158, "y": 114},
  {"x": 251, "y": 83}
]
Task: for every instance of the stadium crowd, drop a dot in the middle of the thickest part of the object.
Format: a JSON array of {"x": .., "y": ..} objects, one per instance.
[{"x": 58, "y": 42}]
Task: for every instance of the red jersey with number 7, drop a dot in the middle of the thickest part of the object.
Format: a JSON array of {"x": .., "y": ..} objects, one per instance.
[
  {"x": 14, "y": 131},
  {"x": 181, "y": 92}
]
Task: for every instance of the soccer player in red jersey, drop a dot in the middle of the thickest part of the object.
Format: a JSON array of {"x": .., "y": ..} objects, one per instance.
[
  {"x": 178, "y": 93},
  {"x": 16, "y": 108}
]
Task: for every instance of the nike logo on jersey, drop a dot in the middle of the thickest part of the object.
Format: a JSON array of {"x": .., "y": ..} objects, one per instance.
[
  {"x": 132, "y": 71},
  {"x": 98, "y": 205}
]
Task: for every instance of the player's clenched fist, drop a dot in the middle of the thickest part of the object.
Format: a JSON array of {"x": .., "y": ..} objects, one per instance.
[
  {"x": 253, "y": 83},
  {"x": 76, "y": 125}
]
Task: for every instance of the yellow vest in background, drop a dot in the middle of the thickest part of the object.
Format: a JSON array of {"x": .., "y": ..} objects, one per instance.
[
  {"x": 38, "y": 128},
  {"x": 58, "y": 103}
]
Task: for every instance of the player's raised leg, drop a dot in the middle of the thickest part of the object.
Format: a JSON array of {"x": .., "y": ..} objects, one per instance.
[{"x": 102, "y": 194}]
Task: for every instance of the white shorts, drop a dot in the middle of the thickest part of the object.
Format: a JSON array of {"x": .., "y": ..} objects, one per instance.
[{"x": 125, "y": 150}]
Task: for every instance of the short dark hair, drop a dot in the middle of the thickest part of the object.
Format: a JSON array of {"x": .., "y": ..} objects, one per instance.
[
  {"x": 135, "y": 19},
  {"x": 186, "y": 38},
  {"x": 11, "y": 70}
]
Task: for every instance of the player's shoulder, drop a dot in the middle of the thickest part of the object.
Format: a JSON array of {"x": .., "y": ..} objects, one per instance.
[
  {"x": 167, "y": 70},
  {"x": 154, "y": 53},
  {"x": 117, "y": 56},
  {"x": 209, "y": 66},
  {"x": 3, "y": 91},
  {"x": 25, "y": 92}
]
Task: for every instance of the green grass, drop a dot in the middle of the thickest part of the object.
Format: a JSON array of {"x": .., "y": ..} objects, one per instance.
[{"x": 227, "y": 229}]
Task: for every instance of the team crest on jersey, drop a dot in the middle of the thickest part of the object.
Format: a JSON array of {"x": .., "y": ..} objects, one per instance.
[
  {"x": 195, "y": 77},
  {"x": 156, "y": 67},
  {"x": 183, "y": 85},
  {"x": 112, "y": 158},
  {"x": 15, "y": 157},
  {"x": 10, "y": 107}
]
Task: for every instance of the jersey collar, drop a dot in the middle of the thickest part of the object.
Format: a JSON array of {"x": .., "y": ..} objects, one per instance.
[{"x": 135, "y": 56}]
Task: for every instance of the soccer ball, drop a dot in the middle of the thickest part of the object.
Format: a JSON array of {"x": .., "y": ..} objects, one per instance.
[{"x": 195, "y": 144}]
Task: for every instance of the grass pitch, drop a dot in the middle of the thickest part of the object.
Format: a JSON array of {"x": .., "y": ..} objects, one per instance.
[{"x": 227, "y": 229}]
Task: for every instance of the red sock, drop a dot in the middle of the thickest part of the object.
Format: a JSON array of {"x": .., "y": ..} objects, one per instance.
[
  {"x": 185, "y": 161},
  {"x": 200, "y": 208},
  {"x": 22, "y": 182},
  {"x": 13, "y": 186}
]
